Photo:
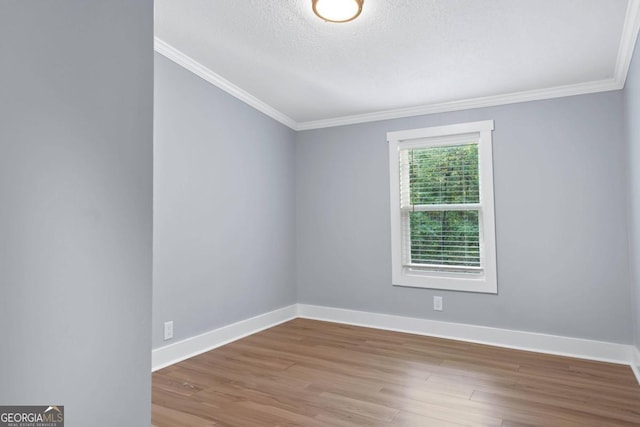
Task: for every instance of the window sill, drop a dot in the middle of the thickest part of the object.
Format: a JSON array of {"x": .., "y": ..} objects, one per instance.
[{"x": 477, "y": 283}]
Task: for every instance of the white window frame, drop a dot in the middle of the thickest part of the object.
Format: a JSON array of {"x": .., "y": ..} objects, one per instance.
[{"x": 484, "y": 279}]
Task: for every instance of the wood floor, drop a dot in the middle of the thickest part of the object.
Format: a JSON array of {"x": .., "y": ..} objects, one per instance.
[{"x": 310, "y": 373}]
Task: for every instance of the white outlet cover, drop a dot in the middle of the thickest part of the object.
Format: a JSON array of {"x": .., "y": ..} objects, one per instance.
[
  {"x": 437, "y": 303},
  {"x": 168, "y": 330}
]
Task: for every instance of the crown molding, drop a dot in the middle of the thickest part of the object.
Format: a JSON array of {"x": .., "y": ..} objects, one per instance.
[
  {"x": 467, "y": 104},
  {"x": 628, "y": 39},
  {"x": 200, "y": 70}
]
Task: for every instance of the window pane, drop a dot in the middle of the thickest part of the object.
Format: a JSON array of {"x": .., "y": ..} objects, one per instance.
[
  {"x": 444, "y": 175},
  {"x": 445, "y": 238}
]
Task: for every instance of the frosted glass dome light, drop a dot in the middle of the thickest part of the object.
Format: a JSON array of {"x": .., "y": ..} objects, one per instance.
[{"x": 337, "y": 10}]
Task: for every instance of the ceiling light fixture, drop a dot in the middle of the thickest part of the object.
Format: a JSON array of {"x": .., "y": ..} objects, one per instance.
[{"x": 337, "y": 10}]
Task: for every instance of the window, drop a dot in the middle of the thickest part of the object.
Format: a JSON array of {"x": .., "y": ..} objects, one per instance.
[{"x": 442, "y": 219}]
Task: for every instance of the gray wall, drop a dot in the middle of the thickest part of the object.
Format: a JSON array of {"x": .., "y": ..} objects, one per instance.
[
  {"x": 560, "y": 192},
  {"x": 632, "y": 122},
  {"x": 75, "y": 207},
  {"x": 223, "y": 207}
]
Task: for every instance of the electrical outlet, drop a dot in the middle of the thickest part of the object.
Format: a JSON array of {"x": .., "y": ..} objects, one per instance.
[
  {"x": 437, "y": 303},
  {"x": 168, "y": 330}
]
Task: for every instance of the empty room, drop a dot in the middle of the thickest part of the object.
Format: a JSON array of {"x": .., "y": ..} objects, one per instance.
[{"x": 320, "y": 213}]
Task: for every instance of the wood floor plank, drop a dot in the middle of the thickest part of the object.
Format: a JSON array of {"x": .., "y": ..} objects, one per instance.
[
  {"x": 176, "y": 385},
  {"x": 166, "y": 417},
  {"x": 409, "y": 419},
  {"x": 313, "y": 373},
  {"x": 569, "y": 415}
]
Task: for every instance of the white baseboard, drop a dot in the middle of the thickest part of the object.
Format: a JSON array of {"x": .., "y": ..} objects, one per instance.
[
  {"x": 530, "y": 341},
  {"x": 520, "y": 340},
  {"x": 635, "y": 362},
  {"x": 174, "y": 353}
]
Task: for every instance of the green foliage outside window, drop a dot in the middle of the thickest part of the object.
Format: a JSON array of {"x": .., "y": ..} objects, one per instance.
[{"x": 443, "y": 176}]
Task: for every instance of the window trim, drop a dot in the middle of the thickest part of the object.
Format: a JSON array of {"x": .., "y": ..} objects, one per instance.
[{"x": 486, "y": 280}]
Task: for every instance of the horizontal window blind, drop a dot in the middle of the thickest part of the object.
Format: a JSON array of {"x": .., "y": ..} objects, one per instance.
[
  {"x": 440, "y": 201},
  {"x": 440, "y": 175},
  {"x": 444, "y": 238}
]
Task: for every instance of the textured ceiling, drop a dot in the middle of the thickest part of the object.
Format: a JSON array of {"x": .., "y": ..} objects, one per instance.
[{"x": 398, "y": 53}]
